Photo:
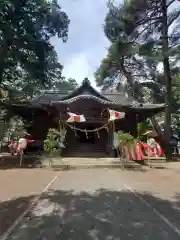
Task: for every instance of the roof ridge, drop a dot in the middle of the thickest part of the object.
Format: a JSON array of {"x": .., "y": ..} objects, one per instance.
[
  {"x": 85, "y": 83},
  {"x": 84, "y": 96},
  {"x": 56, "y": 91},
  {"x": 113, "y": 93}
]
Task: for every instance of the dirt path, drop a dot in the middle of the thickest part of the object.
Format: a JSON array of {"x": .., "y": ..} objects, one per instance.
[
  {"x": 19, "y": 187},
  {"x": 104, "y": 204}
]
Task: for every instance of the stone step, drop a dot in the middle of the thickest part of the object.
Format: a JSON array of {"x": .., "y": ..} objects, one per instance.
[
  {"x": 85, "y": 146},
  {"x": 73, "y": 163},
  {"x": 84, "y": 149},
  {"x": 80, "y": 153},
  {"x": 80, "y": 150},
  {"x": 155, "y": 162}
]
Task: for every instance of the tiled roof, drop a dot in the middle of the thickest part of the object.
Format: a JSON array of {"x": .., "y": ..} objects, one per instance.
[
  {"x": 98, "y": 99},
  {"x": 58, "y": 96},
  {"x": 112, "y": 98},
  {"x": 86, "y": 91},
  {"x": 49, "y": 96},
  {"x": 117, "y": 98}
]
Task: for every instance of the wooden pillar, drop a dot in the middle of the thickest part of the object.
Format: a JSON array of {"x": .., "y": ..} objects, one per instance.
[
  {"x": 110, "y": 139},
  {"x": 41, "y": 124},
  {"x": 135, "y": 126},
  {"x": 132, "y": 124}
]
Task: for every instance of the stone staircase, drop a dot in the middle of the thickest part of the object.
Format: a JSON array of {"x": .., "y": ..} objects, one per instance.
[
  {"x": 84, "y": 163},
  {"x": 75, "y": 148},
  {"x": 85, "y": 150}
]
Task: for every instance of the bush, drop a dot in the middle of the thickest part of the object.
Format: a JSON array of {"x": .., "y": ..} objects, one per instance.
[
  {"x": 54, "y": 141},
  {"x": 125, "y": 138}
]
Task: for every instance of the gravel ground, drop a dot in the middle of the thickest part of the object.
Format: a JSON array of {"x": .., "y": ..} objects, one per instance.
[{"x": 99, "y": 204}]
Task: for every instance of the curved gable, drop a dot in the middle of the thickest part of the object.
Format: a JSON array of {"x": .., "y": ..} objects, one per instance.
[{"x": 85, "y": 89}]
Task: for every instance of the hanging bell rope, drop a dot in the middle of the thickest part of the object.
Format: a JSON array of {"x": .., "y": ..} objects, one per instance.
[
  {"x": 107, "y": 129},
  {"x": 75, "y": 131},
  {"x": 86, "y": 134},
  {"x": 98, "y": 134}
]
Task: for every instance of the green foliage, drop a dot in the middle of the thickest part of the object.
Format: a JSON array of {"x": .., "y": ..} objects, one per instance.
[
  {"x": 65, "y": 84},
  {"x": 28, "y": 61},
  {"x": 176, "y": 123},
  {"x": 144, "y": 35},
  {"x": 144, "y": 127},
  {"x": 125, "y": 138},
  {"x": 135, "y": 32},
  {"x": 17, "y": 128},
  {"x": 54, "y": 141},
  {"x": 175, "y": 93},
  {"x": 51, "y": 142}
]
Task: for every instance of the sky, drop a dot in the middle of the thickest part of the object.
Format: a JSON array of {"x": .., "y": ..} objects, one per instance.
[{"x": 87, "y": 45}]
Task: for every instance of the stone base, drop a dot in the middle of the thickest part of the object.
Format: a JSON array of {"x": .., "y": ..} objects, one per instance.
[{"x": 73, "y": 163}]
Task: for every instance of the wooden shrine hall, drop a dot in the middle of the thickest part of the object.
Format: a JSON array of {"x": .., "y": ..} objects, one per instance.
[{"x": 88, "y": 138}]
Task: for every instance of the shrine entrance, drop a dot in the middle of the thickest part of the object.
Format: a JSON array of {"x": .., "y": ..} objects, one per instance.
[
  {"x": 86, "y": 142},
  {"x": 88, "y": 138}
]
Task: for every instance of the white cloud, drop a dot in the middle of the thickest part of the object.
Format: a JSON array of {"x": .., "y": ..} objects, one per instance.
[
  {"x": 78, "y": 67},
  {"x": 87, "y": 44}
]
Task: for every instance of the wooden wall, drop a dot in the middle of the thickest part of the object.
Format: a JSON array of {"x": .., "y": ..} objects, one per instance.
[
  {"x": 127, "y": 124},
  {"x": 40, "y": 126},
  {"x": 42, "y": 122}
]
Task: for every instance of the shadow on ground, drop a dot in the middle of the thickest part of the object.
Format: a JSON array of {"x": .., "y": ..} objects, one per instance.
[
  {"x": 104, "y": 214},
  {"x": 10, "y": 210},
  {"x": 10, "y": 162}
]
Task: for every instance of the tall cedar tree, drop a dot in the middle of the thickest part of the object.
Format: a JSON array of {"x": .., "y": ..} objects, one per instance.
[{"x": 138, "y": 31}]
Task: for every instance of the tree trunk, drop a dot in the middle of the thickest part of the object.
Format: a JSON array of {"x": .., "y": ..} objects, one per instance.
[
  {"x": 153, "y": 121},
  {"x": 128, "y": 78},
  {"x": 167, "y": 76},
  {"x": 4, "y": 52}
]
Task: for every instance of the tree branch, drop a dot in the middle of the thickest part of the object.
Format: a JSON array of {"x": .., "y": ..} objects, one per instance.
[
  {"x": 172, "y": 20},
  {"x": 148, "y": 19},
  {"x": 171, "y": 2},
  {"x": 145, "y": 29}
]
